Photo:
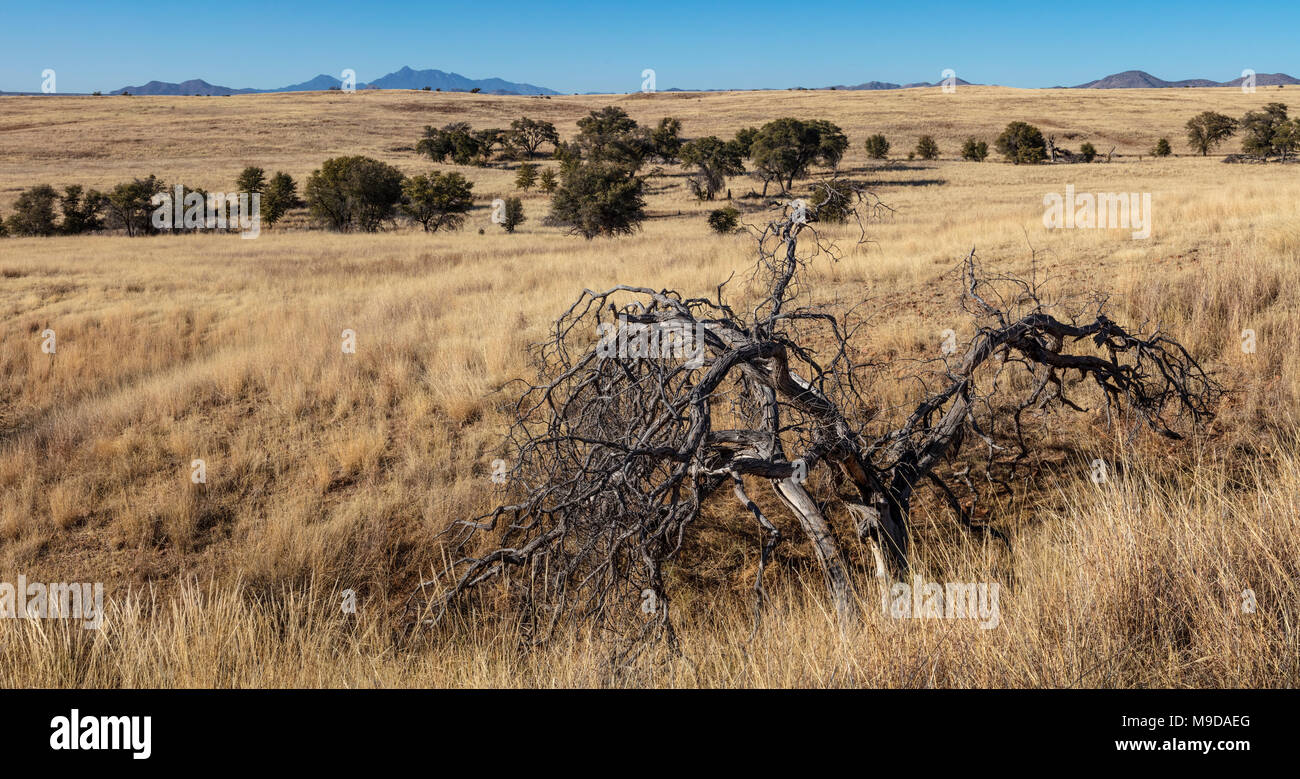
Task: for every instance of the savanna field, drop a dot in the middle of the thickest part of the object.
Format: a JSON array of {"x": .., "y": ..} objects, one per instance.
[{"x": 328, "y": 471}]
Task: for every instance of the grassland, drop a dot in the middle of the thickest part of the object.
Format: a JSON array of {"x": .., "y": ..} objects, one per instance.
[{"x": 328, "y": 471}]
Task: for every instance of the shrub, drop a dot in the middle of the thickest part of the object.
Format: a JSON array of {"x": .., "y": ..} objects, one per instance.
[
  {"x": 714, "y": 160},
  {"x": 438, "y": 200},
  {"x": 609, "y": 135},
  {"x": 513, "y": 215},
  {"x": 1021, "y": 142},
  {"x": 546, "y": 181},
  {"x": 34, "y": 212},
  {"x": 252, "y": 179},
  {"x": 598, "y": 199},
  {"x": 926, "y": 148},
  {"x": 455, "y": 140},
  {"x": 130, "y": 205},
  {"x": 974, "y": 150},
  {"x": 81, "y": 210},
  {"x": 724, "y": 220},
  {"x": 877, "y": 147},
  {"x": 348, "y": 193},
  {"x": 1162, "y": 148},
  {"x": 280, "y": 195},
  {"x": 832, "y": 201},
  {"x": 665, "y": 140},
  {"x": 1088, "y": 152},
  {"x": 527, "y": 176},
  {"x": 784, "y": 149}
]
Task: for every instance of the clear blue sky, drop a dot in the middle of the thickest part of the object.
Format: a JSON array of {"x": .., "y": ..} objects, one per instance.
[{"x": 604, "y": 46}]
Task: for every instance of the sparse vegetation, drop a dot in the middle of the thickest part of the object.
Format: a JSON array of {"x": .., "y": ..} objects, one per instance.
[{"x": 1021, "y": 143}]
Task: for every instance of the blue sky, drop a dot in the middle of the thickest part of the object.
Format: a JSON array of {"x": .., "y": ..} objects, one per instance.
[{"x": 604, "y": 46}]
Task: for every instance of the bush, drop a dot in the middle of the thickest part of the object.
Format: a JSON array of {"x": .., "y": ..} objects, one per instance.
[
  {"x": 130, "y": 205},
  {"x": 666, "y": 141},
  {"x": 724, "y": 220},
  {"x": 527, "y": 176},
  {"x": 252, "y": 179},
  {"x": 609, "y": 136},
  {"x": 280, "y": 195},
  {"x": 34, "y": 212},
  {"x": 877, "y": 147},
  {"x": 81, "y": 210},
  {"x": 438, "y": 200},
  {"x": 455, "y": 140},
  {"x": 514, "y": 214},
  {"x": 1021, "y": 142},
  {"x": 598, "y": 199},
  {"x": 1162, "y": 148},
  {"x": 926, "y": 148},
  {"x": 714, "y": 160},
  {"x": 1088, "y": 152},
  {"x": 974, "y": 150},
  {"x": 546, "y": 182},
  {"x": 832, "y": 201},
  {"x": 354, "y": 193},
  {"x": 784, "y": 149}
]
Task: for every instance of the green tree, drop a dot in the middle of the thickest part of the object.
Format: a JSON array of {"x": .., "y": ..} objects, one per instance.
[
  {"x": 252, "y": 179},
  {"x": 1162, "y": 148},
  {"x": 598, "y": 198},
  {"x": 130, "y": 205},
  {"x": 527, "y": 135},
  {"x": 1021, "y": 142},
  {"x": 81, "y": 210},
  {"x": 832, "y": 201},
  {"x": 724, "y": 220},
  {"x": 785, "y": 148},
  {"x": 438, "y": 200},
  {"x": 354, "y": 193},
  {"x": 877, "y": 147},
  {"x": 610, "y": 135},
  {"x": 1088, "y": 152},
  {"x": 666, "y": 141},
  {"x": 744, "y": 140},
  {"x": 512, "y": 214},
  {"x": 714, "y": 160},
  {"x": 976, "y": 151},
  {"x": 546, "y": 181},
  {"x": 527, "y": 176},
  {"x": 1208, "y": 129},
  {"x": 34, "y": 212},
  {"x": 926, "y": 148},
  {"x": 455, "y": 140},
  {"x": 280, "y": 195},
  {"x": 1262, "y": 132}
]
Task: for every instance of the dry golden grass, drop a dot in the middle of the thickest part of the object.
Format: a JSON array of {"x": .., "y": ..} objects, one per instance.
[{"x": 328, "y": 471}]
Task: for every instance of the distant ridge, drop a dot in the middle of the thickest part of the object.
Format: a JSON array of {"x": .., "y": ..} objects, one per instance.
[
  {"x": 406, "y": 78},
  {"x": 872, "y": 85},
  {"x": 1140, "y": 79}
]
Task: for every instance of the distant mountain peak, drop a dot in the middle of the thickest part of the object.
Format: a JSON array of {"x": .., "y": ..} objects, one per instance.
[
  {"x": 404, "y": 78},
  {"x": 1140, "y": 79}
]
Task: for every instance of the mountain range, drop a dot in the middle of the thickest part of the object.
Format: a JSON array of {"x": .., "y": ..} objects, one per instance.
[
  {"x": 406, "y": 78},
  {"x": 1140, "y": 79}
]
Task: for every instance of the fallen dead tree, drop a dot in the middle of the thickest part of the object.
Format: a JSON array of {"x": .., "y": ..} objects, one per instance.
[{"x": 649, "y": 402}]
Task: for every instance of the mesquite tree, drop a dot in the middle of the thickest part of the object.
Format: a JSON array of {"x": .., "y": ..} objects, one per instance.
[{"x": 649, "y": 402}]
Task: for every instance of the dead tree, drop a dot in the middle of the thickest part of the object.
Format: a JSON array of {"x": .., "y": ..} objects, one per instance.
[{"x": 649, "y": 402}]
